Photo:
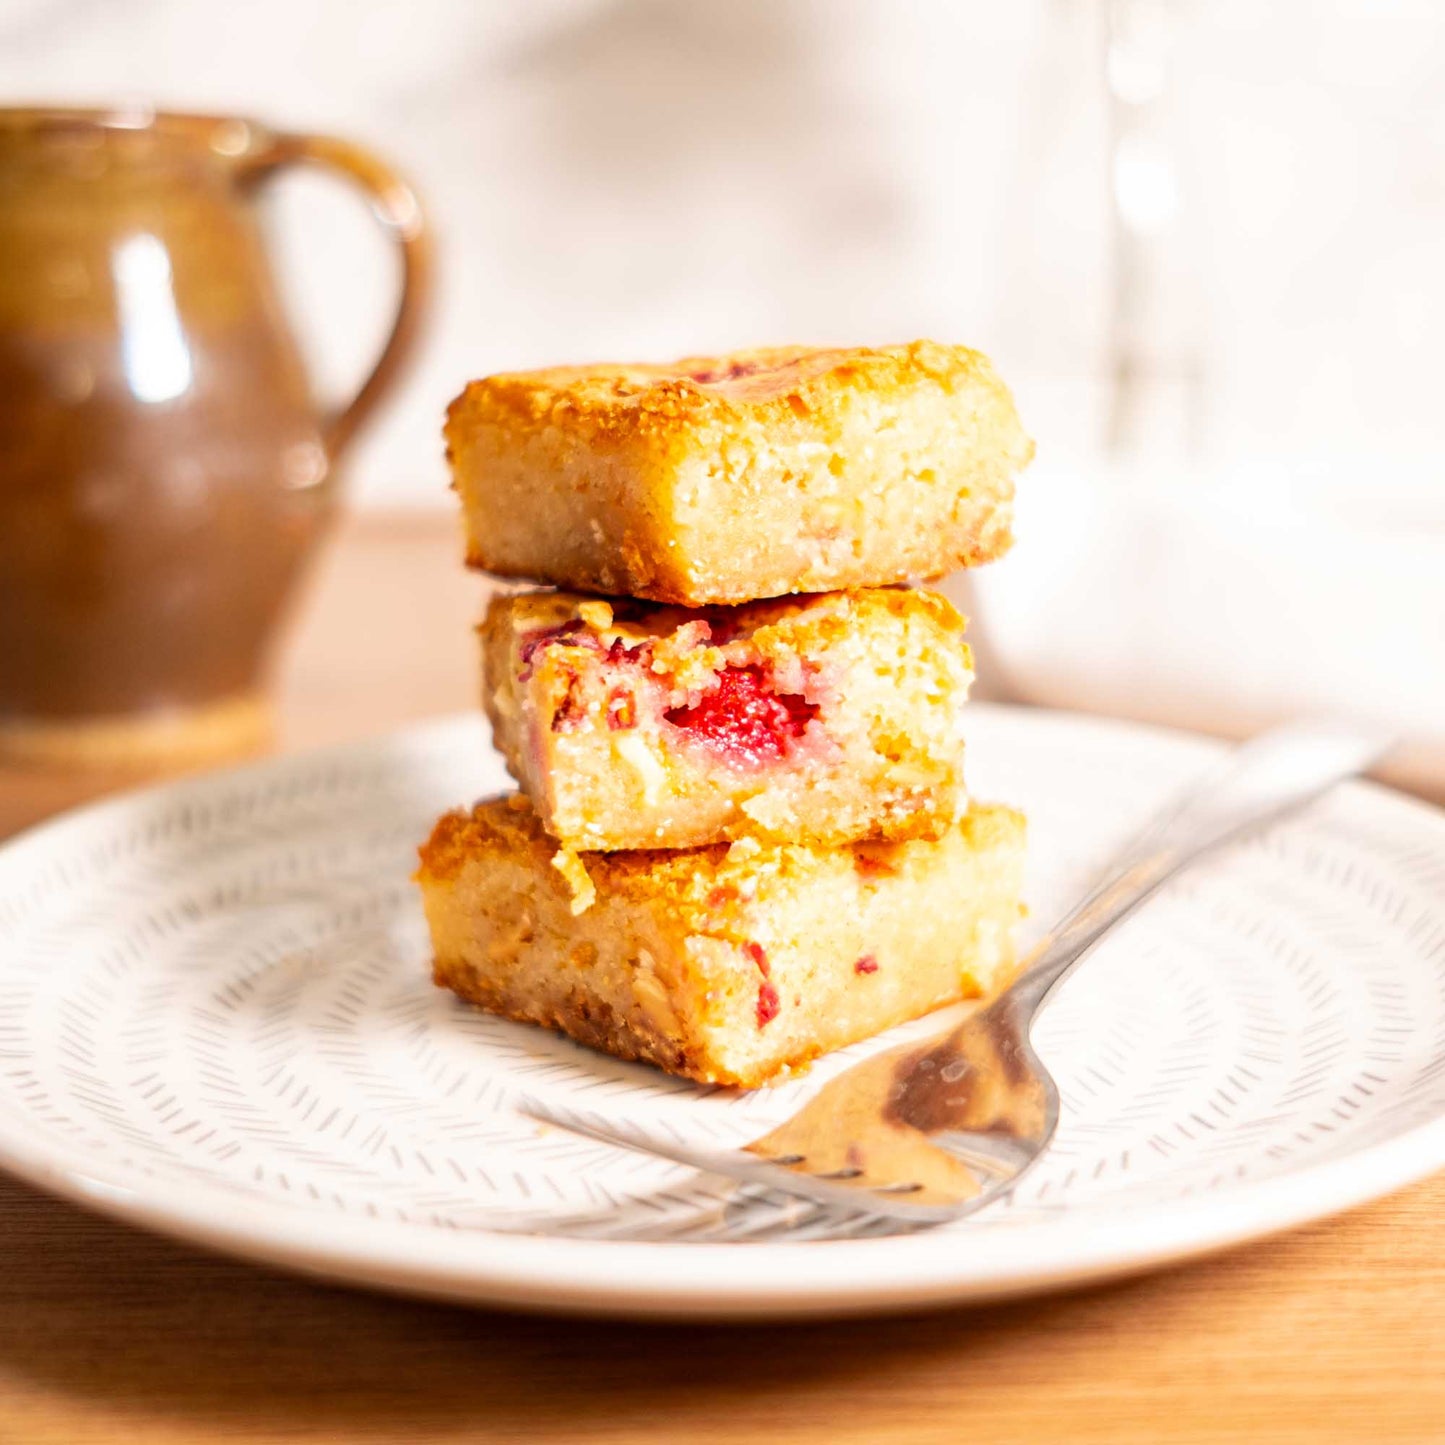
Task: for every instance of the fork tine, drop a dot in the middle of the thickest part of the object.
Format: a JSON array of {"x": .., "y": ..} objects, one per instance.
[
  {"x": 758, "y": 1212},
  {"x": 734, "y": 1164},
  {"x": 754, "y": 1212},
  {"x": 623, "y": 1134}
]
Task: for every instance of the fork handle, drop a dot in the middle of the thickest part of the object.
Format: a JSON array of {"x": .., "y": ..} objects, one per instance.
[{"x": 1260, "y": 781}]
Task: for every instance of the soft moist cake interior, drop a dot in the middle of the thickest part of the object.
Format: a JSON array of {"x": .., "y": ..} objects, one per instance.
[{"x": 598, "y": 717}]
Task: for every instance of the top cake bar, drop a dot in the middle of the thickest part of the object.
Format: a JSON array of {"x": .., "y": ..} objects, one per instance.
[{"x": 724, "y": 479}]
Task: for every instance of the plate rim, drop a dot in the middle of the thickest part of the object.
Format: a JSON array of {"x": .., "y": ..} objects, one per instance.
[
  {"x": 558, "y": 1275},
  {"x": 791, "y": 1280}
]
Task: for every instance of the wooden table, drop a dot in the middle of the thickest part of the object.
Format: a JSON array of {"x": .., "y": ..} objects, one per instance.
[{"x": 1334, "y": 1333}]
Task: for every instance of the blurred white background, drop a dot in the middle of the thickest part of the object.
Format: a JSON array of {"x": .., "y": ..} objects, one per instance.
[
  {"x": 1203, "y": 239},
  {"x": 639, "y": 178}
]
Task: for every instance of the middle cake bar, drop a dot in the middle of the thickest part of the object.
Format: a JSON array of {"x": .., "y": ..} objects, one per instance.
[{"x": 821, "y": 719}]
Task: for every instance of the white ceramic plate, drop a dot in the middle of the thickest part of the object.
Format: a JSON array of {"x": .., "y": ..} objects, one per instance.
[{"x": 216, "y": 1021}]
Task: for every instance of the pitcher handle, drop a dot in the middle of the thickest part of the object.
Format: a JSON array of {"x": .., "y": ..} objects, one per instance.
[{"x": 395, "y": 205}]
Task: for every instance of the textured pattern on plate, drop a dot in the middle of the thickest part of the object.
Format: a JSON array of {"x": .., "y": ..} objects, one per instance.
[{"x": 222, "y": 986}]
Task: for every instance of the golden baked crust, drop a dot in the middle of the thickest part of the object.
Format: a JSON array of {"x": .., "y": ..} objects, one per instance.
[
  {"x": 755, "y": 474},
  {"x": 821, "y": 719},
  {"x": 728, "y": 964}
]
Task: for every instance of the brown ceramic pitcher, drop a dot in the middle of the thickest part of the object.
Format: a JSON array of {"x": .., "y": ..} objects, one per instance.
[{"x": 164, "y": 472}]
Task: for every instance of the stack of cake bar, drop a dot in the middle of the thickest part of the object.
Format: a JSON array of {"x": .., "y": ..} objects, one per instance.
[{"x": 742, "y": 837}]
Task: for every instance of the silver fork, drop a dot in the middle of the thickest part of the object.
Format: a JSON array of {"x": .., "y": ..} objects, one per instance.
[{"x": 927, "y": 1132}]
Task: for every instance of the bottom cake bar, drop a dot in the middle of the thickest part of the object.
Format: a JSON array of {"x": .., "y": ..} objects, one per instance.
[{"x": 729, "y": 964}]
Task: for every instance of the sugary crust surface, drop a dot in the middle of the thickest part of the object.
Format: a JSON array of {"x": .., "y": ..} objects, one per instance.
[
  {"x": 728, "y": 964},
  {"x": 590, "y": 703},
  {"x": 727, "y": 478}
]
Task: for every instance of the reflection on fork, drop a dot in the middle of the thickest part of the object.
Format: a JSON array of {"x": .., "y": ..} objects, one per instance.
[{"x": 914, "y": 1136}]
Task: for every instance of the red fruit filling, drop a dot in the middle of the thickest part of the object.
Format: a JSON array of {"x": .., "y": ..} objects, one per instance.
[
  {"x": 759, "y": 956},
  {"x": 769, "y": 1005},
  {"x": 639, "y": 652},
  {"x": 866, "y": 964},
  {"x": 744, "y": 719}
]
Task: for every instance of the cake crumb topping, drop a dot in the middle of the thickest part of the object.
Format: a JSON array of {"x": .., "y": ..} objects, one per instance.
[{"x": 579, "y": 882}]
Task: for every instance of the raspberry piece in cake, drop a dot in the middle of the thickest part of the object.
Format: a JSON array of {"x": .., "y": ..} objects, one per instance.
[
  {"x": 722, "y": 479},
  {"x": 744, "y": 718},
  {"x": 820, "y": 719},
  {"x": 728, "y": 964}
]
